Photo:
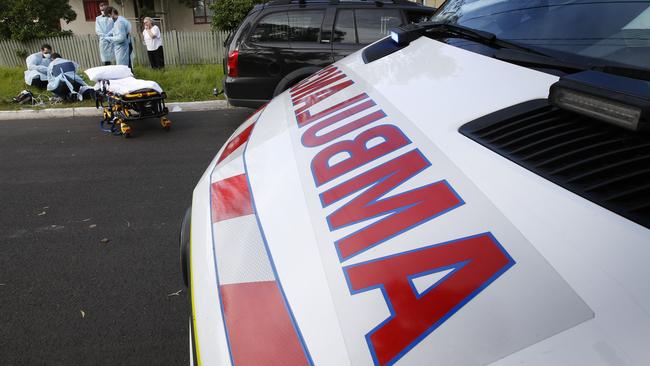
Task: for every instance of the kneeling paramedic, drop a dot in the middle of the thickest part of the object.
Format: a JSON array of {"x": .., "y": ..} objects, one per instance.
[
  {"x": 63, "y": 80},
  {"x": 37, "y": 63}
]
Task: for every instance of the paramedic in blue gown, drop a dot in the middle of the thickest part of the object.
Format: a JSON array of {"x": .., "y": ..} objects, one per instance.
[
  {"x": 37, "y": 63},
  {"x": 121, "y": 39},
  {"x": 63, "y": 80},
  {"x": 104, "y": 27}
]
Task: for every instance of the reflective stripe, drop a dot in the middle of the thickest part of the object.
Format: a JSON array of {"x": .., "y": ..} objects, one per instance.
[
  {"x": 259, "y": 326},
  {"x": 236, "y": 142},
  {"x": 257, "y": 320},
  {"x": 230, "y": 198}
]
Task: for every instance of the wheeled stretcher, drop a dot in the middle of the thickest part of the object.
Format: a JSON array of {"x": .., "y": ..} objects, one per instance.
[{"x": 129, "y": 99}]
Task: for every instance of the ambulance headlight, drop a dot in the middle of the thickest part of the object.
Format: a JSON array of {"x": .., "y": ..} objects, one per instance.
[{"x": 621, "y": 101}]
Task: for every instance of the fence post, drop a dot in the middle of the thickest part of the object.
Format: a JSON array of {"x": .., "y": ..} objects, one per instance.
[{"x": 178, "y": 48}]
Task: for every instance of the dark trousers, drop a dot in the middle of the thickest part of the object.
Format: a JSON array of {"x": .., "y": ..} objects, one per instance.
[
  {"x": 157, "y": 58},
  {"x": 64, "y": 92},
  {"x": 37, "y": 82}
]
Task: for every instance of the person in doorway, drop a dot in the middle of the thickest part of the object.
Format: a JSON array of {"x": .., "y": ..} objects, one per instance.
[
  {"x": 63, "y": 79},
  {"x": 121, "y": 39},
  {"x": 37, "y": 63},
  {"x": 153, "y": 41},
  {"x": 104, "y": 27}
]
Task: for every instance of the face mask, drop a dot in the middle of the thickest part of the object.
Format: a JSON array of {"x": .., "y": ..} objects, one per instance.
[{"x": 47, "y": 55}]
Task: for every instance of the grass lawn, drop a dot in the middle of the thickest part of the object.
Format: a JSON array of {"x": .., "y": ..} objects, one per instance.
[{"x": 185, "y": 83}]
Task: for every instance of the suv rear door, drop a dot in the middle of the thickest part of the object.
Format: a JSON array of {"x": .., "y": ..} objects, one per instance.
[{"x": 281, "y": 42}]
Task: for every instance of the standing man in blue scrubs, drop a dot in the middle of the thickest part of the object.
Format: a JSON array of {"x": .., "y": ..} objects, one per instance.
[
  {"x": 121, "y": 39},
  {"x": 37, "y": 63},
  {"x": 104, "y": 27}
]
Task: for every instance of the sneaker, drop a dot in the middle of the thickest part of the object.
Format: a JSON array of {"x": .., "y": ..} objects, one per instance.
[{"x": 24, "y": 97}]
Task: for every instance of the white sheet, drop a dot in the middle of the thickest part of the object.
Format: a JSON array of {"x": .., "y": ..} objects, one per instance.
[{"x": 129, "y": 85}]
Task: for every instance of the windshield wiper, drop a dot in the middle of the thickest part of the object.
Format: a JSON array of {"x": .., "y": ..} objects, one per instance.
[
  {"x": 504, "y": 50},
  {"x": 405, "y": 34},
  {"x": 480, "y": 36},
  {"x": 524, "y": 58}
]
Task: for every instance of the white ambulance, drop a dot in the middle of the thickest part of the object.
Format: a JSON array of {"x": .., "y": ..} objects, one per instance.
[{"x": 474, "y": 190}]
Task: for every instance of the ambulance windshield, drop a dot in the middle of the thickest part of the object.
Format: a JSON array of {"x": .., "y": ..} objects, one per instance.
[{"x": 609, "y": 32}]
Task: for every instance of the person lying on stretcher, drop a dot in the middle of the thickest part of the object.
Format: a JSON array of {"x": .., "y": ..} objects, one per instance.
[{"x": 64, "y": 82}]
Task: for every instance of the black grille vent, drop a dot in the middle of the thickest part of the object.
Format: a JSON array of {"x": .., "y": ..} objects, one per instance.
[{"x": 605, "y": 164}]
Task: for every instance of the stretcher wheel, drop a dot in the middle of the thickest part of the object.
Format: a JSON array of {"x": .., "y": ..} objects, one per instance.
[
  {"x": 107, "y": 114},
  {"x": 125, "y": 129},
  {"x": 165, "y": 123}
]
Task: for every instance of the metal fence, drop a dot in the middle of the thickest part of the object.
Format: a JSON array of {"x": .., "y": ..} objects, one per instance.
[{"x": 181, "y": 48}]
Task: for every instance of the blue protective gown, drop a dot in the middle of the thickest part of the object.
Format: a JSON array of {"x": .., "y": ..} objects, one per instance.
[
  {"x": 121, "y": 40},
  {"x": 36, "y": 67},
  {"x": 104, "y": 27},
  {"x": 62, "y": 72}
]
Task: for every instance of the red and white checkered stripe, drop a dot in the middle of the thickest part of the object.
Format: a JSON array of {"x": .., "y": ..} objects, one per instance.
[{"x": 257, "y": 321}]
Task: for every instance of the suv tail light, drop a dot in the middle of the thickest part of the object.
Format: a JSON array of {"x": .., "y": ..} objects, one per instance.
[{"x": 233, "y": 56}]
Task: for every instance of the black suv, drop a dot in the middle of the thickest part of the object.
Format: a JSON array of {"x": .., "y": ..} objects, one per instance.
[{"x": 282, "y": 42}]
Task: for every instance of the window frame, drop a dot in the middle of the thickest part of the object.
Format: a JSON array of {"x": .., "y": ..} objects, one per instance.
[
  {"x": 86, "y": 3},
  {"x": 206, "y": 19}
]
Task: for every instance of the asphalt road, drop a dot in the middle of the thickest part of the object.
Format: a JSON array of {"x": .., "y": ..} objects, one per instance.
[{"x": 67, "y": 298}]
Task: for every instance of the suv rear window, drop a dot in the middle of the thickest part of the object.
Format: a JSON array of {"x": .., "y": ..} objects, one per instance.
[
  {"x": 294, "y": 26},
  {"x": 304, "y": 26},
  {"x": 272, "y": 28},
  {"x": 370, "y": 24}
]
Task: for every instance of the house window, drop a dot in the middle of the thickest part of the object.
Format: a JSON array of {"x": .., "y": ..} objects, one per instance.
[
  {"x": 91, "y": 10},
  {"x": 202, "y": 12}
]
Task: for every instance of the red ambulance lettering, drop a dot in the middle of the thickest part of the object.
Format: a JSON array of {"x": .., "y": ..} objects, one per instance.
[
  {"x": 313, "y": 78},
  {"x": 405, "y": 210},
  {"x": 311, "y": 138},
  {"x": 477, "y": 261},
  {"x": 318, "y": 79},
  {"x": 306, "y": 117},
  {"x": 312, "y": 87},
  {"x": 357, "y": 150},
  {"x": 309, "y": 100}
]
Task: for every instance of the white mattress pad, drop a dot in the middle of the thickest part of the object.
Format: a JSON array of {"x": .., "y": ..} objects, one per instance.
[{"x": 129, "y": 85}]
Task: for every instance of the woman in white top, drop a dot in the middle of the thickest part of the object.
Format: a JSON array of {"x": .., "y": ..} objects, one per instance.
[{"x": 153, "y": 41}]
